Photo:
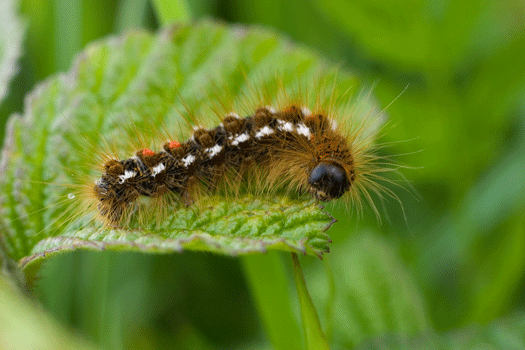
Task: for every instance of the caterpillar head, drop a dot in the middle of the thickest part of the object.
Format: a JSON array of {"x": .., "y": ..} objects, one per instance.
[{"x": 328, "y": 181}]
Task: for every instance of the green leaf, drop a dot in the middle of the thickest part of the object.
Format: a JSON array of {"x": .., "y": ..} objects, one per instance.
[
  {"x": 131, "y": 14},
  {"x": 67, "y": 32},
  {"x": 375, "y": 293},
  {"x": 236, "y": 227},
  {"x": 146, "y": 80},
  {"x": 508, "y": 333},
  {"x": 25, "y": 326},
  {"x": 11, "y": 36},
  {"x": 9, "y": 267},
  {"x": 489, "y": 215},
  {"x": 395, "y": 31},
  {"x": 431, "y": 36},
  {"x": 169, "y": 11}
]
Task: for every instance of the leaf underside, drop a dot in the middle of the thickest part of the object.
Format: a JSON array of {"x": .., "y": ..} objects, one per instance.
[{"x": 144, "y": 83}]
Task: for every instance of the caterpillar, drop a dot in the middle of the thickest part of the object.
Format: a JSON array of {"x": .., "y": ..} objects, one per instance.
[
  {"x": 303, "y": 147},
  {"x": 278, "y": 145}
]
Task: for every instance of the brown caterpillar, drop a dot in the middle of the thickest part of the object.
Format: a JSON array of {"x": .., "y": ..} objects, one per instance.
[{"x": 292, "y": 147}]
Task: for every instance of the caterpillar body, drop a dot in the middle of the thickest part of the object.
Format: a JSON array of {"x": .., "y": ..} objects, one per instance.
[
  {"x": 290, "y": 141},
  {"x": 295, "y": 147}
]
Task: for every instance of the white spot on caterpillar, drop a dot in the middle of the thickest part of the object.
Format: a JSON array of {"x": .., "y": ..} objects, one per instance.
[
  {"x": 239, "y": 139},
  {"x": 303, "y": 130},
  {"x": 284, "y": 126},
  {"x": 71, "y": 196},
  {"x": 157, "y": 169},
  {"x": 127, "y": 175},
  {"x": 233, "y": 114},
  {"x": 188, "y": 160},
  {"x": 213, "y": 151},
  {"x": 306, "y": 112},
  {"x": 264, "y": 132}
]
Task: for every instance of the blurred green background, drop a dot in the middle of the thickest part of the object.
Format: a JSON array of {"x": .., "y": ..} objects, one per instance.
[{"x": 457, "y": 260}]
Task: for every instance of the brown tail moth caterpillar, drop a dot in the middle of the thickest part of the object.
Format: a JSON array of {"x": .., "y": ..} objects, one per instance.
[{"x": 290, "y": 147}]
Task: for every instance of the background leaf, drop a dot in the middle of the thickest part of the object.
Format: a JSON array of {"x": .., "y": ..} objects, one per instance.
[
  {"x": 274, "y": 305},
  {"x": 11, "y": 36},
  {"x": 24, "y": 326},
  {"x": 172, "y": 11},
  {"x": 502, "y": 334},
  {"x": 374, "y": 292}
]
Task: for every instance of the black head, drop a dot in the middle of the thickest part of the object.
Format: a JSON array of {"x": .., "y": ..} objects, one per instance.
[{"x": 328, "y": 181}]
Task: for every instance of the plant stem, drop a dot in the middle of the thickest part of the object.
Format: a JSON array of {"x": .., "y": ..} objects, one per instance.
[
  {"x": 313, "y": 333},
  {"x": 269, "y": 285}
]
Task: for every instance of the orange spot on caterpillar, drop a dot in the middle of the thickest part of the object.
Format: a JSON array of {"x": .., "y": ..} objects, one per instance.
[
  {"x": 147, "y": 152},
  {"x": 174, "y": 144}
]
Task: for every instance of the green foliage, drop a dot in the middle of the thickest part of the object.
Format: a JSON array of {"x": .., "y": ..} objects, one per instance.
[
  {"x": 11, "y": 36},
  {"x": 457, "y": 260},
  {"x": 172, "y": 11},
  {"x": 272, "y": 299},
  {"x": 25, "y": 326},
  {"x": 236, "y": 227},
  {"x": 374, "y": 295},
  {"x": 503, "y": 334}
]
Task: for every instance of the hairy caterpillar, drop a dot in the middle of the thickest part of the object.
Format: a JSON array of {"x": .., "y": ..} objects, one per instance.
[
  {"x": 293, "y": 143},
  {"x": 278, "y": 146},
  {"x": 287, "y": 147}
]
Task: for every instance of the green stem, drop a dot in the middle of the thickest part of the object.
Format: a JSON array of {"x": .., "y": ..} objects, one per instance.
[
  {"x": 331, "y": 298},
  {"x": 313, "y": 333},
  {"x": 269, "y": 285},
  {"x": 169, "y": 11}
]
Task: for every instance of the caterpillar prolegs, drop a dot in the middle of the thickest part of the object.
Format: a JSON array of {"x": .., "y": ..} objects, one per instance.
[{"x": 294, "y": 148}]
